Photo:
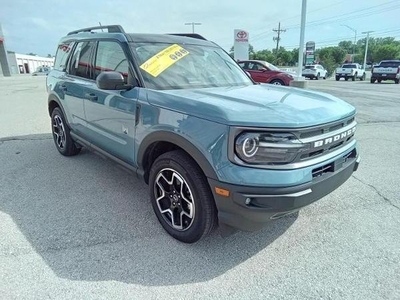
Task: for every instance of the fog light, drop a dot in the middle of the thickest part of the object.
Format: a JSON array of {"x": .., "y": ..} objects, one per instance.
[{"x": 247, "y": 201}]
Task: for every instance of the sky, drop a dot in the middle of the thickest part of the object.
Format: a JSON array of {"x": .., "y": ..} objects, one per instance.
[{"x": 36, "y": 26}]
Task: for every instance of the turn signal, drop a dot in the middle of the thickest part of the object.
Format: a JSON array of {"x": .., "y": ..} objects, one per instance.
[{"x": 222, "y": 192}]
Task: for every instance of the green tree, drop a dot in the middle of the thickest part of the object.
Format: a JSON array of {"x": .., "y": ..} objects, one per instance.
[
  {"x": 388, "y": 51},
  {"x": 348, "y": 46}
]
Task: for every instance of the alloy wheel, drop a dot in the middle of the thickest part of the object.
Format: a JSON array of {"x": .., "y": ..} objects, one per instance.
[
  {"x": 59, "y": 131},
  {"x": 174, "y": 199}
]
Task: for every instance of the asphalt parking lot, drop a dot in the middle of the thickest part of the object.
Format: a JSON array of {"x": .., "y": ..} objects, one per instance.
[{"x": 82, "y": 228}]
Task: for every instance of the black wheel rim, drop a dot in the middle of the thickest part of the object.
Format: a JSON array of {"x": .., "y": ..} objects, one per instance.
[
  {"x": 174, "y": 199},
  {"x": 59, "y": 132}
]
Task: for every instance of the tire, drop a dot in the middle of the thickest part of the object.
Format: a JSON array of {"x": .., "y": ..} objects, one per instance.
[
  {"x": 396, "y": 81},
  {"x": 346, "y": 78},
  {"x": 61, "y": 134},
  {"x": 379, "y": 80},
  {"x": 277, "y": 82},
  {"x": 354, "y": 77},
  {"x": 337, "y": 78},
  {"x": 372, "y": 80},
  {"x": 170, "y": 172},
  {"x": 317, "y": 78},
  {"x": 362, "y": 78}
]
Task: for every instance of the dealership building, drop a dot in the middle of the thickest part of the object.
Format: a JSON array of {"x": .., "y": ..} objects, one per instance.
[
  {"x": 14, "y": 63},
  {"x": 26, "y": 64}
]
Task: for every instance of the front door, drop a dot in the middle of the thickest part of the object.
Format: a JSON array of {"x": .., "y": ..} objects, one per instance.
[{"x": 110, "y": 114}]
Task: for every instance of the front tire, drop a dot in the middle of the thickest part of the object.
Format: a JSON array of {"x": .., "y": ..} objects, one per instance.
[
  {"x": 317, "y": 78},
  {"x": 61, "y": 134},
  {"x": 354, "y": 77},
  {"x": 277, "y": 82},
  {"x": 396, "y": 81},
  {"x": 181, "y": 197},
  {"x": 362, "y": 78}
]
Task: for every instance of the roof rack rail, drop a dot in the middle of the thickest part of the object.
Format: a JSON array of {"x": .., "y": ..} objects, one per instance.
[
  {"x": 191, "y": 35},
  {"x": 110, "y": 28}
]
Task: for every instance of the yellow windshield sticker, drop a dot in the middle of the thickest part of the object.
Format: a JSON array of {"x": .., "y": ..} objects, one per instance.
[{"x": 164, "y": 59}]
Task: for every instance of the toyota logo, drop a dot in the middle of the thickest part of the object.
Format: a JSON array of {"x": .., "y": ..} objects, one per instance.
[{"x": 242, "y": 34}]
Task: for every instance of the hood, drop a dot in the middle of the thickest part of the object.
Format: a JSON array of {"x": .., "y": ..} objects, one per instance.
[{"x": 260, "y": 105}]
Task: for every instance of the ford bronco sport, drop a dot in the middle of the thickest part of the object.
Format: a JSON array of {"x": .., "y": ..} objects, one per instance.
[{"x": 213, "y": 146}]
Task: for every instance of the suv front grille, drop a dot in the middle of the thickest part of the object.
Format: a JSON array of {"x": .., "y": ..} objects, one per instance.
[{"x": 326, "y": 138}]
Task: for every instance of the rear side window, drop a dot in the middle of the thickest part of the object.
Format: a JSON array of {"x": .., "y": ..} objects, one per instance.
[
  {"x": 111, "y": 57},
  {"x": 63, "y": 52},
  {"x": 80, "y": 63}
]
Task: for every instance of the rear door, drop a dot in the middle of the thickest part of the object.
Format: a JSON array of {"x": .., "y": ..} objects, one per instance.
[
  {"x": 110, "y": 114},
  {"x": 78, "y": 80}
]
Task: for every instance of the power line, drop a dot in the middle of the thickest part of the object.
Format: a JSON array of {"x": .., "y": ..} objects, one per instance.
[{"x": 350, "y": 15}]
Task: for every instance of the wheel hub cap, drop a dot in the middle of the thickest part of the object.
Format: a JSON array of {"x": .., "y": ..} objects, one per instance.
[{"x": 59, "y": 131}]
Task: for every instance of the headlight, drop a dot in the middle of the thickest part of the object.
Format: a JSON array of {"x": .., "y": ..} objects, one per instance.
[{"x": 268, "y": 148}]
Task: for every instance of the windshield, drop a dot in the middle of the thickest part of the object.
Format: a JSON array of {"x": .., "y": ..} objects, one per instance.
[
  {"x": 349, "y": 67},
  {"x": 172, "y": 66},
  {"x": 389, "y": 64},
  {"x": 271, "y": 66}
]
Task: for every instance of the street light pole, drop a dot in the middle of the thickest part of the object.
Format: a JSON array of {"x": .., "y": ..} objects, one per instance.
[
  {"x": 366, "y": 47},
  {"x": 193, "y": 24},
  {"x": 355, "y": 37},
  {"x": 301, "y": 45}
]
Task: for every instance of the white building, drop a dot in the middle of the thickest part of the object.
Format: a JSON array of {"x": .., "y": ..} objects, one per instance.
[{"x": 27, "y": 64}]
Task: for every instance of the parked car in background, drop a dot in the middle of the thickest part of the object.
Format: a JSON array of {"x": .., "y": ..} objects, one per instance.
[
  {"x": 386, "y": 70},
  {"x": 264, "y": 72},
  {"x": 41, "y": 71},
  {"x": 314, "y": 71},
  {"x": 352, "y": 71}
]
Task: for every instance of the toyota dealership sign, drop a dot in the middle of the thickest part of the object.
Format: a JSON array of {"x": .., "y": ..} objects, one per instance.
[{"x": 241, "y": 44}]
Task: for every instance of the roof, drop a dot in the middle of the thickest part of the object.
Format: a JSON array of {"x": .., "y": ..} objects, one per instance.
[{"x": 138, "y": 38}]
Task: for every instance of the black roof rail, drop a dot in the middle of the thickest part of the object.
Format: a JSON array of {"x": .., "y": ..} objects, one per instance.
[
  {"x": 110, "y": 28},
  {"x": 191, "y": 35}
]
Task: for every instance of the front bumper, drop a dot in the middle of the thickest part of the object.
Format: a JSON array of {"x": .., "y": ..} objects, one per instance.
[{"x": 249, "y": 208}]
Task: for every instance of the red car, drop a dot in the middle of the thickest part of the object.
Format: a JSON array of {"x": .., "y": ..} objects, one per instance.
[{"x": 262, "y": 71}]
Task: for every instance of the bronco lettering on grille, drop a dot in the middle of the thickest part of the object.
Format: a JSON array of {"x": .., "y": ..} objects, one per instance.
[{"x": 335, "y": 138}]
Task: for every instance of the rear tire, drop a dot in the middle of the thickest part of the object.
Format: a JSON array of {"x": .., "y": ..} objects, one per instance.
[
  {"x": 346, "y": 78},
  {"x": 372, "y": 80},
  {"x": 337, "y": 78},
  {"x": 317, "y": 78},
  {"x": 379, "y": 80},
  {"x": 181, "y": 197},
  {"x": 362, "y": 78},
  {"x": 396, "y": 81},
  {"x": 61, "y": 134}
]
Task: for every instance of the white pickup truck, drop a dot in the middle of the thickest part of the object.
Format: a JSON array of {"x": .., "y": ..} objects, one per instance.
[
  {"x": 386, "y": 70},
  {"x": 352, "y": 71}
]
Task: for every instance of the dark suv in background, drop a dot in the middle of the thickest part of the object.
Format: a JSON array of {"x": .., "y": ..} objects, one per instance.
[{"x": 214, "y": 147}]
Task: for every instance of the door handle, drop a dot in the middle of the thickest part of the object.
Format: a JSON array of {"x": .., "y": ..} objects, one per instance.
[
  {"x": 63, "y": 87},
  {"x": 91, "y": 96}
]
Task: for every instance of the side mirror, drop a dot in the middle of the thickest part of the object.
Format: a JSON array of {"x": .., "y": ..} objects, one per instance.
[
  {"x": 263, "y": 69},
  {"x": 111, "y": 80}
]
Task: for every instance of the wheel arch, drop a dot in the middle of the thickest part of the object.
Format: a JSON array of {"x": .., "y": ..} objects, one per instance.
[{"x": 149, "y": 150}]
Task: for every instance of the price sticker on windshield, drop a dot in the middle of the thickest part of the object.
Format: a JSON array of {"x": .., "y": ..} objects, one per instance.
[{"x": 164, "y": 59}]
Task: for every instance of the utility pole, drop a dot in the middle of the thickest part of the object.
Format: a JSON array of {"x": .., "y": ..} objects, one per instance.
[
  {"x": 366, "y": 47},
  {"x": 193, "y": 24},
  {"x": 278, "y": 38},
  {"x": 301, "y": 44}
]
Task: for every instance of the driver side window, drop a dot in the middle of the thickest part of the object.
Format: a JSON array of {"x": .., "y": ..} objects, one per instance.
[{"x": 111, "y": 57}]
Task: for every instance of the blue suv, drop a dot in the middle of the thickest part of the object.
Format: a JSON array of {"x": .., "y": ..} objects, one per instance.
[{"x": 215, "y": 147}]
